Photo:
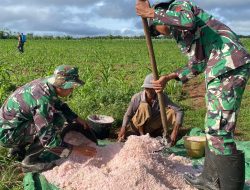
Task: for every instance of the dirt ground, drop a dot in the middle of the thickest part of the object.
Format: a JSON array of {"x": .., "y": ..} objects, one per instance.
[{"x": 195, "y": 91}]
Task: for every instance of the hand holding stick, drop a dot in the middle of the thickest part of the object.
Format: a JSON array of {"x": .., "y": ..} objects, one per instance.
[{"x": 139, "y": 6}]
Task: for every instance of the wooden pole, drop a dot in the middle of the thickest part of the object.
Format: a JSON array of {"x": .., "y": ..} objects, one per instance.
[{"x": 156, "y": 76}]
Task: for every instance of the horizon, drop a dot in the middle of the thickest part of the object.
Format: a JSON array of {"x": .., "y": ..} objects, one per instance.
[{"x": 87, "y": 18}]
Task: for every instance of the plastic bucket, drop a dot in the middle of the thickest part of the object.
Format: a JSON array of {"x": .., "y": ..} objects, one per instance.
[
  {"x": 195, "y": 146},
  {"x": 101, "y": 125}
]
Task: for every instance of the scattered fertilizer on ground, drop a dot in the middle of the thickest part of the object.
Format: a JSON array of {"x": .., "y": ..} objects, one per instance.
[{"x": 135, "y": 165}]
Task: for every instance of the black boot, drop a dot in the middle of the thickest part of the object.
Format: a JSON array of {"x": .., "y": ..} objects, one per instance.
[
  {"x": 231, "y": 170},
  {"x": 208, "y": 180},
  {"x": 17, "y": 153},
  {"x": 36, "y": 166},
  {"x": 32, "y": 161}
]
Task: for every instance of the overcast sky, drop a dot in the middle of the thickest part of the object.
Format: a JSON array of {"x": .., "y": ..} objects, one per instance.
[{"x": 102, "y": 17}]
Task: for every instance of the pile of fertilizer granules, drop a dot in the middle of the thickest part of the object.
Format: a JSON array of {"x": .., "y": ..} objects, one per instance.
[{"x": 135, "y": 165}]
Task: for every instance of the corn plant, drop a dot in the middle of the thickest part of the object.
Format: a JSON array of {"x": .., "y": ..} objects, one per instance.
[{"x": 5, "y": 81}]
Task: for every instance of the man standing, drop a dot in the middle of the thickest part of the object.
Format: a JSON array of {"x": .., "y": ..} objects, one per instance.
[
  {"x": 143, "y": 114},
  {"x": 21, "y": 40},
  {"x": 213, "y": 48},
  {"x": 33, "y": 118}
]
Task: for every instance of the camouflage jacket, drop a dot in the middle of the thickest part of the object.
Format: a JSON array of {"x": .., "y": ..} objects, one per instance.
[
  {"x": 211, "y": 46},
  {"x": 34, "y": 110}
]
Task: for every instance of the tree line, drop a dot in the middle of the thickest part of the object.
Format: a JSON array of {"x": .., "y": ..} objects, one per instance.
[{"x": 7, "y": 34}]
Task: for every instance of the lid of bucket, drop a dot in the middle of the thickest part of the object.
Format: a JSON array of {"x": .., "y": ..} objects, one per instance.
[
  {"x": 196, "y": 138},
  {"x": 103, "y": 119}
]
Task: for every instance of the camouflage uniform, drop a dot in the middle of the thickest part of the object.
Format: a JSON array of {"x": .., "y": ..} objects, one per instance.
[
  {"x": 212, "y": 48},
  {"x": 34, "y": 111}
]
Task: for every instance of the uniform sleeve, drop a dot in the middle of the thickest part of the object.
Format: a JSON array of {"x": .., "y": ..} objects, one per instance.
[
  {"x": 47, "y": 132},
  {"x": 67, "y": 112},
  {"x": 133, "y": 106},
  {"x": 179, "y": 16},
  {"x": 178, "y": 110},
  {"x": 191, "y": 70}
]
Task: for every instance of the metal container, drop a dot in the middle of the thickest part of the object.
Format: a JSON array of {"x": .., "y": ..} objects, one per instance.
[{"x": 101, "y": 125}]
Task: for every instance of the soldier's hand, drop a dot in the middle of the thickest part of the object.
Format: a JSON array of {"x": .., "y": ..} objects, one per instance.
[
  {"x": 160, "y": 84},
  {"x": 83, "y": 123},
  {"x": 84, "y": 150},
  {"x": 143, "y": 9}
]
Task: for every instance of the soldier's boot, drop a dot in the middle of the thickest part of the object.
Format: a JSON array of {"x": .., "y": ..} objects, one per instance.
[
  {"x": 231, "y": 170},
  {"x": 32, "y": 162},
  {"x": 208, "y": 179},
  {"x": 17, "y": 152},
  {"x": 36, "y": 166}
]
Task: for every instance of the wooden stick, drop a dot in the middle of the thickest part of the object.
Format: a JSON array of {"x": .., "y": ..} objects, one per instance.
[{"x": 156, "y": 76}]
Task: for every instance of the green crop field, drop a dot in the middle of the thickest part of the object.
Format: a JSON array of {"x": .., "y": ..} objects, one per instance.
[{"x": 113, "y": 70}]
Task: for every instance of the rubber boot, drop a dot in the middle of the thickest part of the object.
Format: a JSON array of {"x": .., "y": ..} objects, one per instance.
[
  {"x": 17, "y": 153},
  {"x": 231, "y": 170},
  {"x": 32, "y": 162},
  {"x": 28, "y": 166},
  {"x": 208, "y": 179}
]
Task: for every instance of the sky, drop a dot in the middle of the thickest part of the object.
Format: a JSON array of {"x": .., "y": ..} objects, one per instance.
[{"x": 103, "y": 17}]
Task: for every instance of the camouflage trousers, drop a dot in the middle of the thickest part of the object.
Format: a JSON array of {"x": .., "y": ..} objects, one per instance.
[{"x": 223, "y": 100}]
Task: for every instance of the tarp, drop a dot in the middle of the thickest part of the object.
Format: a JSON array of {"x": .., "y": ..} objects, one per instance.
[
  {"x": 180, "y": 150},
  {"x": 36, "y": 181}
]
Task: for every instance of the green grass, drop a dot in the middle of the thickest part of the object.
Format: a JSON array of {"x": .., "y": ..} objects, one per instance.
[
  {"x": 9, "y": 176},
  {"x": 113, "y": 71}
]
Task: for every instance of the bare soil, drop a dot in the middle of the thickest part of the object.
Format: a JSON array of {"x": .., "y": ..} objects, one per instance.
[{"x": 195, "y": 91}]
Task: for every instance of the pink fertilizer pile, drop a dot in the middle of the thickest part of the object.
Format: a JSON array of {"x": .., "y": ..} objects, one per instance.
[{"x": 134, "y": 165}]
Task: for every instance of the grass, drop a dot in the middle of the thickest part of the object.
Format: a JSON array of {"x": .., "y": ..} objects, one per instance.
[
  {"x": 10, "y": 173},
  {"x": 113, "y": 70}
]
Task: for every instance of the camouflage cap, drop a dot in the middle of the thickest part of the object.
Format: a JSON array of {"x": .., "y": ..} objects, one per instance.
[
  {"x": 157, "y": 5},
  {"x": 66, "y": 77}
]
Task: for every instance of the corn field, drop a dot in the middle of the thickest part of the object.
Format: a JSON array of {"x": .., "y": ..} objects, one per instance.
[{"x": 113, "y": 71}]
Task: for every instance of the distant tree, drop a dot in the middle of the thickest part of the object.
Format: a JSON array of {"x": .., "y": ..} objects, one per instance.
[
  {"x": 30, "y": 36},
  {"x": 5, "y": 34},
  {"x": 68, "y": 37}
]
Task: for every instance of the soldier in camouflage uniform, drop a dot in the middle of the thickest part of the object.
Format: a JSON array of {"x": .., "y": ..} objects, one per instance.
[
  {"x": 214, "y": 49},
  {"x": 33, "y": 118}
]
